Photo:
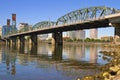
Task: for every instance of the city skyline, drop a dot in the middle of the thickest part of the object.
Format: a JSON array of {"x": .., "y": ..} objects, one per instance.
[{"x": 36, "y": 11}]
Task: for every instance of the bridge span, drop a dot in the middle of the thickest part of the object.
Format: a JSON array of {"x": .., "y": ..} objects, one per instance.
[{"x": 87, "y": 18}]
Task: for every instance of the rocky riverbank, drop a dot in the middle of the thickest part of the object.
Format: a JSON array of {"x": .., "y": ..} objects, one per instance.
[{"x": 111, "y": 70}]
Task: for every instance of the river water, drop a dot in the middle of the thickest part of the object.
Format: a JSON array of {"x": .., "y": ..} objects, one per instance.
[{"x": 47, "y": 62}]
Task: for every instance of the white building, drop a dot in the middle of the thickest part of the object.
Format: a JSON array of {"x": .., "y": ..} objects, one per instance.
[
  {"x": 93, "y": 33},
  {"x": 79, "y": 34},
  {"x": 22, "y": 25},
  {"x": 71, "y": 34}
]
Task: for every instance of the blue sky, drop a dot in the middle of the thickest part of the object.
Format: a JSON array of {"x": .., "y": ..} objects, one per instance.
[{"x": 33, "y": 11}]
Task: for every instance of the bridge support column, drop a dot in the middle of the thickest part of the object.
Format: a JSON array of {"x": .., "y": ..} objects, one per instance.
[
  {"x": 117, "y": 31},
  {"x": 18, "y": 42},
  {"x": 33, "y": 50},
  {"x": 57, "y": 52},
  {"x": 34, "y": 39},
  {"x": 8, "y": 42},
  {"x": 13, "y": 41},
  {"x": 22, "y": 41},
  {"x": 57, "y": 38}
]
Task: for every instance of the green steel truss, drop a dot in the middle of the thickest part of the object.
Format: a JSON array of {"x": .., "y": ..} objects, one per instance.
[
  {"x": 86, "y": 14},
  {"x": 43, "y": 24}
]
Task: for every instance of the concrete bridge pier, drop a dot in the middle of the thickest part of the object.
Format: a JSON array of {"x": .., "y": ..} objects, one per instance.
[
  {"x": 116, "y": 32},
  {"x": 22, "y": 41},
  {"x": 8, "y": 42},
  {"x": 117, "y": 29},
  {"x": 57, "y": 38},
  {"x": 33, "y": 39},
  {"x": 17, "y": 42},
  {"x": 21, "y": 49},
  {"x": 33, "y": 50},
  {"x": 57, "y": 52},
  {"x": 13, "y": 41}
]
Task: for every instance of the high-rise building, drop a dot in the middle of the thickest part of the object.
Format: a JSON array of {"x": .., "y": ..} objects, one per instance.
[
  {"x": 9, "y": 27},
  {"x": 71, "y": 34},
  {"x": 79, "y": 34},
  {"x": 23, "y": 25},
  {"x": 14, "y": 29},
  {"x": 6, "y": 29},
  {"x": 93, "y": 33}
]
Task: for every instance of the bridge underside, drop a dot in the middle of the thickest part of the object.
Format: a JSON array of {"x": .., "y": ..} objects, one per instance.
[{"x": 86, "y": 25}]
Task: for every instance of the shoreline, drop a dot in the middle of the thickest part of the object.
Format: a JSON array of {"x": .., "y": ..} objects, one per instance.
[
  {"x": 86, "y": 43},
  {"x": 79, "y": 43}
]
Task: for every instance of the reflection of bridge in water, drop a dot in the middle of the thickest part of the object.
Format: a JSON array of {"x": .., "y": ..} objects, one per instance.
[
  {"x": 78, "y": 52},
  {"x": 66, "y": 52},
  {"x": 87, "y": 18},
  {"x": 67, "y": 60}
]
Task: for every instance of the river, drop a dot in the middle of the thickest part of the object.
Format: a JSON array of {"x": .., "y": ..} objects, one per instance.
[{"x": 47, "y": 62}]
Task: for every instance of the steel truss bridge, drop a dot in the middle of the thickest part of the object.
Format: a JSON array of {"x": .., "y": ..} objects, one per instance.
[
  {"x": 78, "y": 16},
  {"x": 86, "y": 18}
]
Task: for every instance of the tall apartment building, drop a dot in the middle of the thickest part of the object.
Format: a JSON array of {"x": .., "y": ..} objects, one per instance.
[
  {"x": 23, "y": 26},
  {"x": 93, "y": 33},
  {"x": 6, "y": 30},
  {"x": 71, "y": 34},
  {"x": 79, "y": 34}
]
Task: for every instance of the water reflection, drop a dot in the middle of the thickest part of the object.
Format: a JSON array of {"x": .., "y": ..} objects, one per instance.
[
  {"x": 93, "y": 54},
  {"x": 33, "y": 50},
  {"x": 9, "y": 58},
  {"x": 65, "y": 62},
  {"x": 74, "y": 52},
  {"x": 21, "y": 49},
  {"x": 57, "y": 53}
]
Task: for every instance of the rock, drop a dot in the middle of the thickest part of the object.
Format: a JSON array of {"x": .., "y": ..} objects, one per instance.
[
  {"x": 88, "y": 78},
  {"x": 78, "y": 79},
  {"x": 112, "y": 54},
  {"x": 114, "y": 68},
  {"x": 106, "y": 79},
  {"x": 116, "y": 77},
  {"x": 105, "y": 74},
  {"x": 118, "y": 72}
]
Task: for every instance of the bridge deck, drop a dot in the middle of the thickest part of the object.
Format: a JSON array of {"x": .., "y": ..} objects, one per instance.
[{"x": 97, "y": 23}]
